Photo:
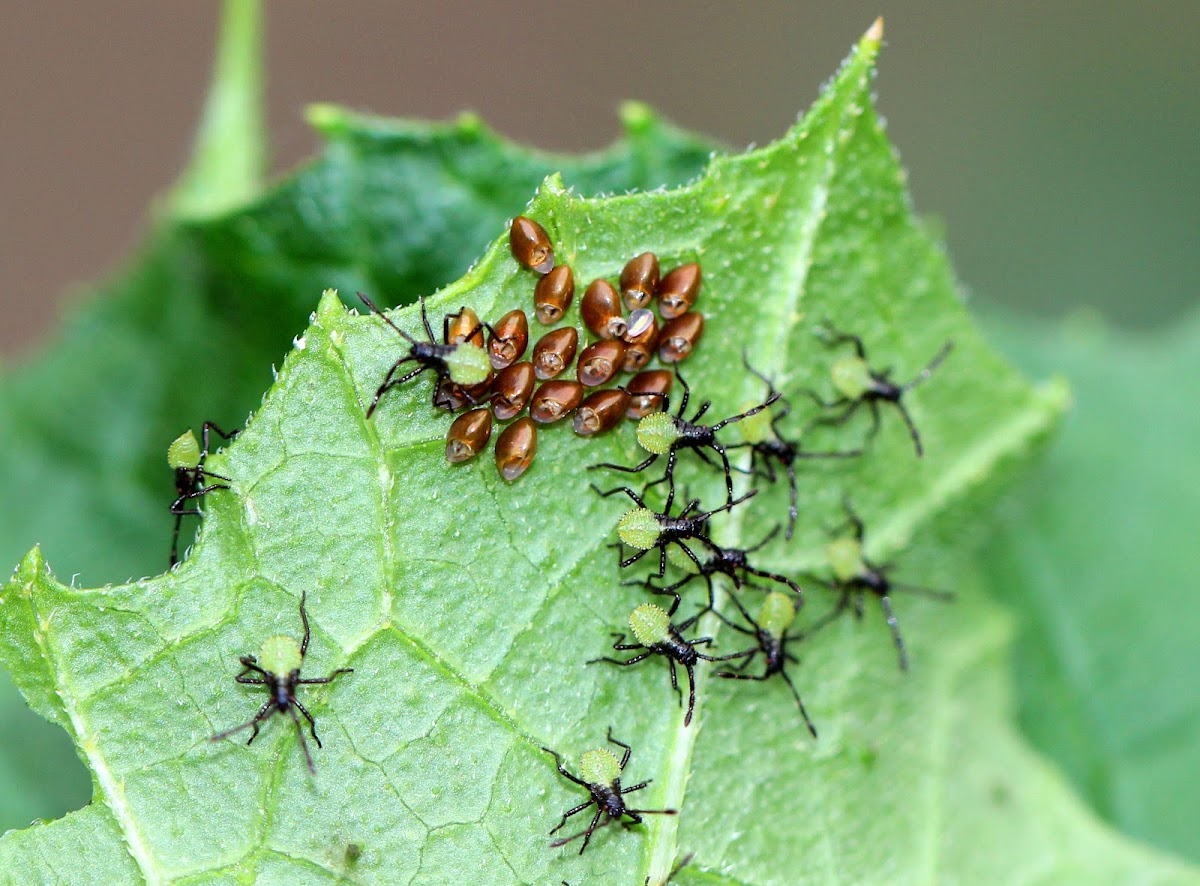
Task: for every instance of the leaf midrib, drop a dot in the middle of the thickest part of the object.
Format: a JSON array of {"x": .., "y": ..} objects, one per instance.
[{"x": 663, "y": 838}]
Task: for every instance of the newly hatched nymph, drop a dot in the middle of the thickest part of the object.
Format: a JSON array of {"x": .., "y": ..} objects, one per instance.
[
  {"x": 278, "y": 666},
  {"x": 600, "y": 773},
  {"x": 656, "y": 635},
  {"x": 646, "y": 530},
  {"x": 770, "y": 633},
  {"x": 858, "y": 384},
  {"x": 661, "y": 433},
  {"x": 465, "y": 363},
  {"x": 186, "y": 458},
  {"x": 732, "y": 562},
  {"x": 769, "y": 447},
  {"x": 854, "y": 576}
]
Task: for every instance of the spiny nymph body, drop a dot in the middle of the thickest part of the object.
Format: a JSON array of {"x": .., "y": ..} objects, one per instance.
[
  {"x": 639, "y": 528},
  {"x": 650, "y": 624},
  {"x": 469, "y": 364},
  {"x": 184, "y": 451},
  {"x": 599, "y": 766},
  {"x": 656, "y": 432}
]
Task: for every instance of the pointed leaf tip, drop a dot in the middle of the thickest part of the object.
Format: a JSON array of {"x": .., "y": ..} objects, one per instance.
[
  {"x": 229, "y": 158},
  {"x": 330, "y": 307},
  {"x": 470, "y": 123},
  {"x": 637, "y": 117},
  {"x": 31, "y": 565},
  {"x": 551, "y": 186},
  {"x": 867, "y": 48},
  {"x": 326, "y": 118}
]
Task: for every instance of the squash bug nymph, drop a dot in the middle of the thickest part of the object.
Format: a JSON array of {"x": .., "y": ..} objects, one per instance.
[
  {"x": 186, "y": 458},
  {"x": 600, "y": 774},
  {"x": 465, "y": 363},
  {"x": 655, "y": 635},
  {"x": 278, "y": 667},
  {"x": 731, "y": 562},
  {"x": 770, "y": 633},
  {"x": 858, "y": 384},
  {"x": 770, "y": 448},
  {"x": 854, "y": 576},
  {"x": 645, "y": 530},
  {"x": 661, "y": 433}
]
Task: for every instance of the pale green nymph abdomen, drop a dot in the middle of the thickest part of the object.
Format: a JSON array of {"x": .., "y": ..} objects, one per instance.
[
  {"x": 184, "y": 452},
  {"x": 599, "y": 767},
  {"x": 851, "y": 377},
  {"x": 639, "y": 529},
  {"x": 656, "y": 432},
  {"x": 651, "y": 624},
  {"x": 469, "y": 364},
  {"x": 676, "y": 555},
  {"x": 280, "y": 656},
  {"x": 755, "y": 428},
  {"x": 845, "y": 558},
  {"x": 777, "y": 614}
]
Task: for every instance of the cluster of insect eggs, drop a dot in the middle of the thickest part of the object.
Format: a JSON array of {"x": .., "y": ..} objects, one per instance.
[{"x": 623, "y": 344}]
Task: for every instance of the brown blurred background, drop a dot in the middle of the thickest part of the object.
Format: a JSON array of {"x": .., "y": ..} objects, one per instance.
[{"x": 1059, "y": 145}]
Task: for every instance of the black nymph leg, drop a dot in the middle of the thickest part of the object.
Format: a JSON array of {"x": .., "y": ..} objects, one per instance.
[
  {"x": 312, "y": 724},
  {"x": 885, "y": 603},
  {"x": 328, "y": 679},
  {"x": 265, "y": 711},
  {"x": 562, "y": 770},
  {"x": 803, "y": 712},
  {"x": 617, "y": 661},
  {"x": 620, "y": 744},
  {"x": 624, "y": 468},
  {"x": 633, "y": 495},
  {"x": 300, "y": 734},
  {"x": 837, "y": 337}
]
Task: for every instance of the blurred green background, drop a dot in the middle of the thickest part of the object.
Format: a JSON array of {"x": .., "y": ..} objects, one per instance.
[
  {"x": 1058, "y": 142},
  {"x": 1055, "y": 146}
]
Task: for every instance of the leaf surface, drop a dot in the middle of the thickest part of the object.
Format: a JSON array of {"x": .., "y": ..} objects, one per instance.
[
  {"x": 467, "y": 606},
  {"x": 189, "y": 331},
  {"x": 1097, "y": 555}
]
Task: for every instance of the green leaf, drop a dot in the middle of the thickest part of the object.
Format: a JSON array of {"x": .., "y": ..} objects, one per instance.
[
  {"x": 467, "y": 607},
  {"x": 189, "y": 331},
  {"x": 230, "y": 155},
  {"x": 1097, "y": 555}
]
